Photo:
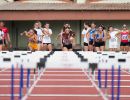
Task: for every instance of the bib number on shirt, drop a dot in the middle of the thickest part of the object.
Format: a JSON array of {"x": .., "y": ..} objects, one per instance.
[{"x": 124, "y": 37}]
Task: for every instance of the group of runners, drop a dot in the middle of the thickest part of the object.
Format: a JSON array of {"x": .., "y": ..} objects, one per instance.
[{"x": 94, "y": 38}]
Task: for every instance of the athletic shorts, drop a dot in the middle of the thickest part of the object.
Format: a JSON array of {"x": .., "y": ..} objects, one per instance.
[
  {"x": 5, "y": 42},
  {"x": 129, "y": 43},
  {"x": 69, "y": 46},
  {"x": 46, "y": 43},
  {"x": 99, "y": 44},
  {"x": 1, "y": 42},
  {"x": 124, "y": 44},
  {"x": 34, "y": 46},
  {"x": 85, "y": 44},
  {"x": 39, "y": 42},
  {"x": 91, "y": 42}
]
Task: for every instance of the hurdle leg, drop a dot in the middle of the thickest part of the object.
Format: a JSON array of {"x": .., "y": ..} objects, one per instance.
[
  {"x": 34, "y": 75},
  {"x": 93, "y": 75}
]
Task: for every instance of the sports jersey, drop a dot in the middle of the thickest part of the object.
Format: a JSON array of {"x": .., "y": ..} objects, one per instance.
[{"x": 124, "y": 36}]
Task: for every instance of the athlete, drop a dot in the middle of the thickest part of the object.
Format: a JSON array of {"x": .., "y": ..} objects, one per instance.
[
  {"x": 7, "y": 41},
  {"x": 123, "y": 36},
  {"x": 1, "y": 39},
  {"x": 113, "y": 40},
  {"x": 47, "y": 37},
  {"x": 85, "y": 36},
  {"x": 91, "y": 36},
  {"x": 67, "y": 40},
  {"x": 32, "y": 39},
  {"x": 100, "y": 38},
  {"x": 39, "y": 29}
]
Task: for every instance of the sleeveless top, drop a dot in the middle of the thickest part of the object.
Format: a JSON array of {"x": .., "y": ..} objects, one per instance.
[
  {"x": 100, "y": 36},
  {"x": 124, "y": 36},
  {"x": 92, "y": 31}
]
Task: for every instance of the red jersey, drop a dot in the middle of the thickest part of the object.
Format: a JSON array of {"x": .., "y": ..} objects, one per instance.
[
  {"x": 5, "y": 30},
  {"x": 124, "y": 36}
]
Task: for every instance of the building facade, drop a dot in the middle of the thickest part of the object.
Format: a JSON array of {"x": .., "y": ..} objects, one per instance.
[{"x": 20, "y": 15}]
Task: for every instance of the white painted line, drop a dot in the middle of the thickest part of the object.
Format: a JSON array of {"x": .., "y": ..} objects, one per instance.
[
  {"x": 8, "y": 95},
  {"x": 63, "y": 71},
  {"x": 64, "y": 79},
  {"x": 122, "y": 96},
  {"x": 33, "y": 86},
  {"x": 64, "y": 75},
  {"x": 3, "y": 69},
  {"x": 126, "y": 86},
  {"x": 66, "y": 95},
  {"x": 126, "y": 72},
  {"x": 94, "y": 84},
  {"x": 65, "y": 86}
]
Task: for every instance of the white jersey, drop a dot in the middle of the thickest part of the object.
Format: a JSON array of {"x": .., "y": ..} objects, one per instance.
[
  {"x": 46, "y": 37},
  {"x": 1, "y": 35},
  {"x": 113, "y": 41},
  {"x": 84, "y": 32},
  {"x": 39, "y": 33}
]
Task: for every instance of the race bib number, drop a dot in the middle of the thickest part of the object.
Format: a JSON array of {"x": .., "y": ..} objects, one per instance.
[{"x": 124, "y": 37}]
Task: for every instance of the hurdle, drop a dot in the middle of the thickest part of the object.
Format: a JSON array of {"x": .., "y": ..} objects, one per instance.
[
  {"x": 108, "y": 61},
  {"x": 23, "y": 60}
]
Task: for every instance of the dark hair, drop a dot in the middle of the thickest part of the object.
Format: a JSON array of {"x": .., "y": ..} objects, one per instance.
[
  {"x": 103, "y": 27},
  {"x": 86, "y": 23},
  {"x": 109, "y": 28}
]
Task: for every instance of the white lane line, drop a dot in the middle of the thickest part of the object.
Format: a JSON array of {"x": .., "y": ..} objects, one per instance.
[
  {"x": 33, "y": 85},
  {"x": 8, "y": 95},
  {"x": 65, "y": 80},
  {"x": 122, "y": 96},
  {"x": 66, "y": 95},
  {"x": 94, "y": 84},
  {"x": 63, "y": 71},
  {"x": 126, "y": 72},
  {"x": 124, "y": 86},
  {"x": 65, "y": 86},
  {"x": 3, "y": 69}
]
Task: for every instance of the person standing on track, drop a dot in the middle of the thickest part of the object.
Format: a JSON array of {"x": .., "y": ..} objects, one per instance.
[
  {"x": 63, "y": 30},
  {"x": 67, "y": 39},
  {"x": 113, "y": 40},
  {"x": 39, "y": 29},
  {"x": 7, "y": 41},
  {"x": 85, "y": 36},
  {"x": 100, "y": 38},
  {"x": 47, "y": 37},
  {"x": 1, "y": 39},
  {"x": 91, "y": 36},
  {"x": 123, "y": 36},
  {"x": 32, "y": 39}
]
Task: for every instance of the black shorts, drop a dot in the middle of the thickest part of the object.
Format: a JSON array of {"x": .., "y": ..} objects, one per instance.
[
  {"x": 39, "y": 42},
  {"x": 129, "y": 43},
  {"x": 69, "y": 46},
  {"x": 99, "y": 44},
  {"x": 124, "y": 44},
  {"x": 4, "y": 42},
  {"x": 46, "y": 43},
  {"x": 91, "y": 42},
  {"x": 1, "y": 42},
  {"x": 85, "y": 44}
]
